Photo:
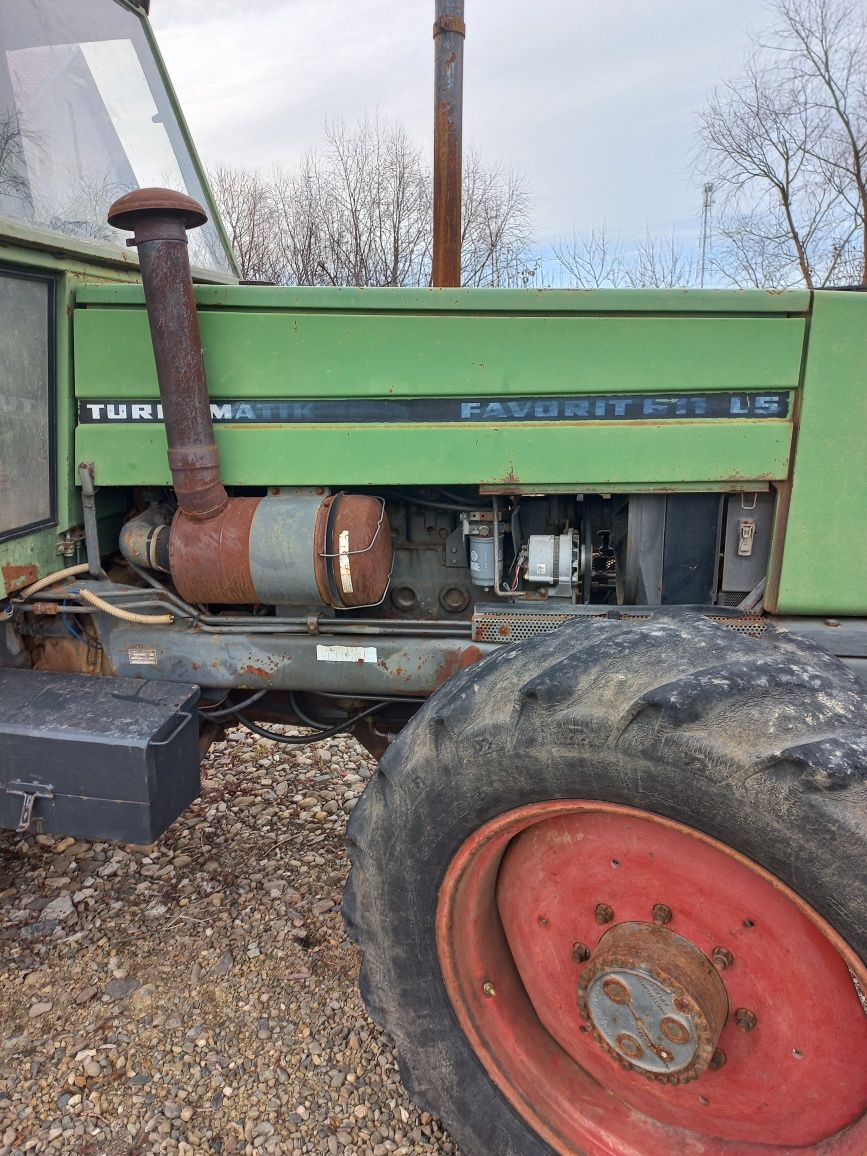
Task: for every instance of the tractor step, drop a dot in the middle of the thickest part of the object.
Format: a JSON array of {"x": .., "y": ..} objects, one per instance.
[{"x": 98, "y": 758}]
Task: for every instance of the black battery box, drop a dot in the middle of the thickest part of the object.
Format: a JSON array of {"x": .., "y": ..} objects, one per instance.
[{"x": 98, "y": 758}]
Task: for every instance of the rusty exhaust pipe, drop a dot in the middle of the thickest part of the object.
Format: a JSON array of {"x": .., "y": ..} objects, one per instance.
[
  {"x": 297, "y": 550},
  {"x": 449, "y": 34},
  {"x": 159, "y": 220},
  {"x": 208, "y": 547}
]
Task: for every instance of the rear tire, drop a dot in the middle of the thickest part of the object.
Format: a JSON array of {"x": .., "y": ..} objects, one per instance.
[{"x": 755, "y": 742}]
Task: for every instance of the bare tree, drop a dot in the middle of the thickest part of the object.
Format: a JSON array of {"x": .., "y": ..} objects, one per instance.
[
  {"x": 824, "y": 42},
  {"x": 592, "y": 260},
  {"x": 495, "y": 236},
  {"x": 297, "y": 198},
  {"x": 13, "y": 181},
  {"x": 596, "y": 261},
  {"x": 661, "y": 263},
  {"x": 374, "y": 205},
  {"x": 786, "y": 144},
  {"x": 249, "y": 210},
  {"x": 357, "y": 211}
]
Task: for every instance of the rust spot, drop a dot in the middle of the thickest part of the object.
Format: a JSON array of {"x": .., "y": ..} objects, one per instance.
[
  {"x": 17, "y": 577},
  {"x": 457, "y": 660},
  {"x": 505, "y": 631},
  {"x": 511, "y": 478},
  {"x": 255, "y": 671},
  {"x": 68, "y": 656}
]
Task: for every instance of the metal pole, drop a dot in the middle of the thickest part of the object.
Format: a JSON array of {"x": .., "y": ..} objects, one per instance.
[
  {"x": 91, "y": 527},
  {"x": 449, "y": 32}
]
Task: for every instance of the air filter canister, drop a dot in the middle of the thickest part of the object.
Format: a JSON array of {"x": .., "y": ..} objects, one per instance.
[{"x": 293, "y": 549}]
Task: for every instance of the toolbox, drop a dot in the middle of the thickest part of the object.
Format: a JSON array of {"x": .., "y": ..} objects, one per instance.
[{"x": 98, "y": 758}]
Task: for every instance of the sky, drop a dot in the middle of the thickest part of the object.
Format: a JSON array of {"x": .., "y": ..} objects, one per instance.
[{"x": 595, "y": 103}]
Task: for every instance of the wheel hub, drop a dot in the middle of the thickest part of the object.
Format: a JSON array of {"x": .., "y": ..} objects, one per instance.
[{"x": 654, "y": 1002}]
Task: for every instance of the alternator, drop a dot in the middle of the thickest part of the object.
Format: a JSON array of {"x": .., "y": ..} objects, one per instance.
[{"x": 554, "y": 560}]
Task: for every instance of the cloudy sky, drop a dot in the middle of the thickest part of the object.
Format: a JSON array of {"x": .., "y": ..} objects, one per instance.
[{"x": 595, "y": 103}]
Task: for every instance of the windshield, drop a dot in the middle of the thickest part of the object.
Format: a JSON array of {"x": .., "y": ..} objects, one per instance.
[{"x": 84, "y": 118}]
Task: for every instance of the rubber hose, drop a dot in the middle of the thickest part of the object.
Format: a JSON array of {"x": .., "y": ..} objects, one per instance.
[
  {"x": 124, "y": 615},
  {"x": 50, "y": 580}
]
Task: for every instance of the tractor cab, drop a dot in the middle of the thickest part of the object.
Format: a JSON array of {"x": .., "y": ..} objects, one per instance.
[{"x": 87, "y": 114}]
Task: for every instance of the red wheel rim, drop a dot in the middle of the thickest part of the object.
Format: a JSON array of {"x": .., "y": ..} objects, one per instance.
[{"x": 528, "y": 890}]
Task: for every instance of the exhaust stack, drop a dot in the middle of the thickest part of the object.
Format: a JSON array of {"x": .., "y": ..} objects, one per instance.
[
  {"x": 159, "y": 220},
  {"x": 295, "y": 549},
  {"x": 449, "y": 34}
]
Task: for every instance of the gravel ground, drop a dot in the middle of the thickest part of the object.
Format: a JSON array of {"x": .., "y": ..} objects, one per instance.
[{"x": 199, "y": 995}]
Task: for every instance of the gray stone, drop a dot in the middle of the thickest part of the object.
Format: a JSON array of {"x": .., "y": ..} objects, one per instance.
[
  {"x": 60, "y": 908},
  {"x": 121, "y": 988},
  {"x": 224, "y": 964}
]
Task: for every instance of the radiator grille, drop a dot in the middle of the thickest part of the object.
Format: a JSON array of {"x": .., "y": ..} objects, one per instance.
[
  {"x": 732, "y": 597},
  {"x": 508, "y": 626},
  {"x": 749, "y": 624},
  {"x": 516, "y": 627}
]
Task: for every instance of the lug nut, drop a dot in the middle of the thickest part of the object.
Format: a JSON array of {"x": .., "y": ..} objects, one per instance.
[
  {"x": 661, "y": 913},
  {"x": 604, "y": 914},
  {"x": 717, "y": 1060},
  {"x": 630, "y": 1046},
  {"x": 722, "y": 958},
  {"x": 745, "y": 1019},
  {"x": 616, "y": 990},
  {"x": 489, "y": 990},
  {"x": 674, "y": 1030},
  {"x": 580, "y": 953}
]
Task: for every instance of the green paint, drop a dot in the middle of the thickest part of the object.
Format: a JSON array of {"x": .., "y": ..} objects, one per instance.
[
  {"x": 577, "y": 343},
  {"x": 824, "y": 561},
  {"x": 587, "y": 456},
  {"x": 298, "y": 343},
  {"x": 513, "y": 301}
]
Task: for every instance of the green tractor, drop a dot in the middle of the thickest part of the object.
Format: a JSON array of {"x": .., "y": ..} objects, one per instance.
[{"x": 583, "y": 568}]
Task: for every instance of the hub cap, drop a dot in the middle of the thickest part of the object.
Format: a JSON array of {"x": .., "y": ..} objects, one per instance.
[
  {"x": 654, "y": 1002},
  {"x": 634, "y": 987}
]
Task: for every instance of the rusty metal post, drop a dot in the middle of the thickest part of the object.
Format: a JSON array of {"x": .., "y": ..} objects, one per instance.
[
  {"x": 159, "y": 220},
  {"x": 449, "y": 33}
]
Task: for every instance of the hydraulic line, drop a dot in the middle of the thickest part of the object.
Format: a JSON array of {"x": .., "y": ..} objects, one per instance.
[
  {"x": 239, "y": 624},
  {"x": 305, "y": 718},
  {"x": 225, "y": 712},
  {"x": 307, "y": 740}
]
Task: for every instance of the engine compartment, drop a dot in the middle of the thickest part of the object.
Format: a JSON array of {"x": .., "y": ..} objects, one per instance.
[{"x": 437, "y": 553}]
